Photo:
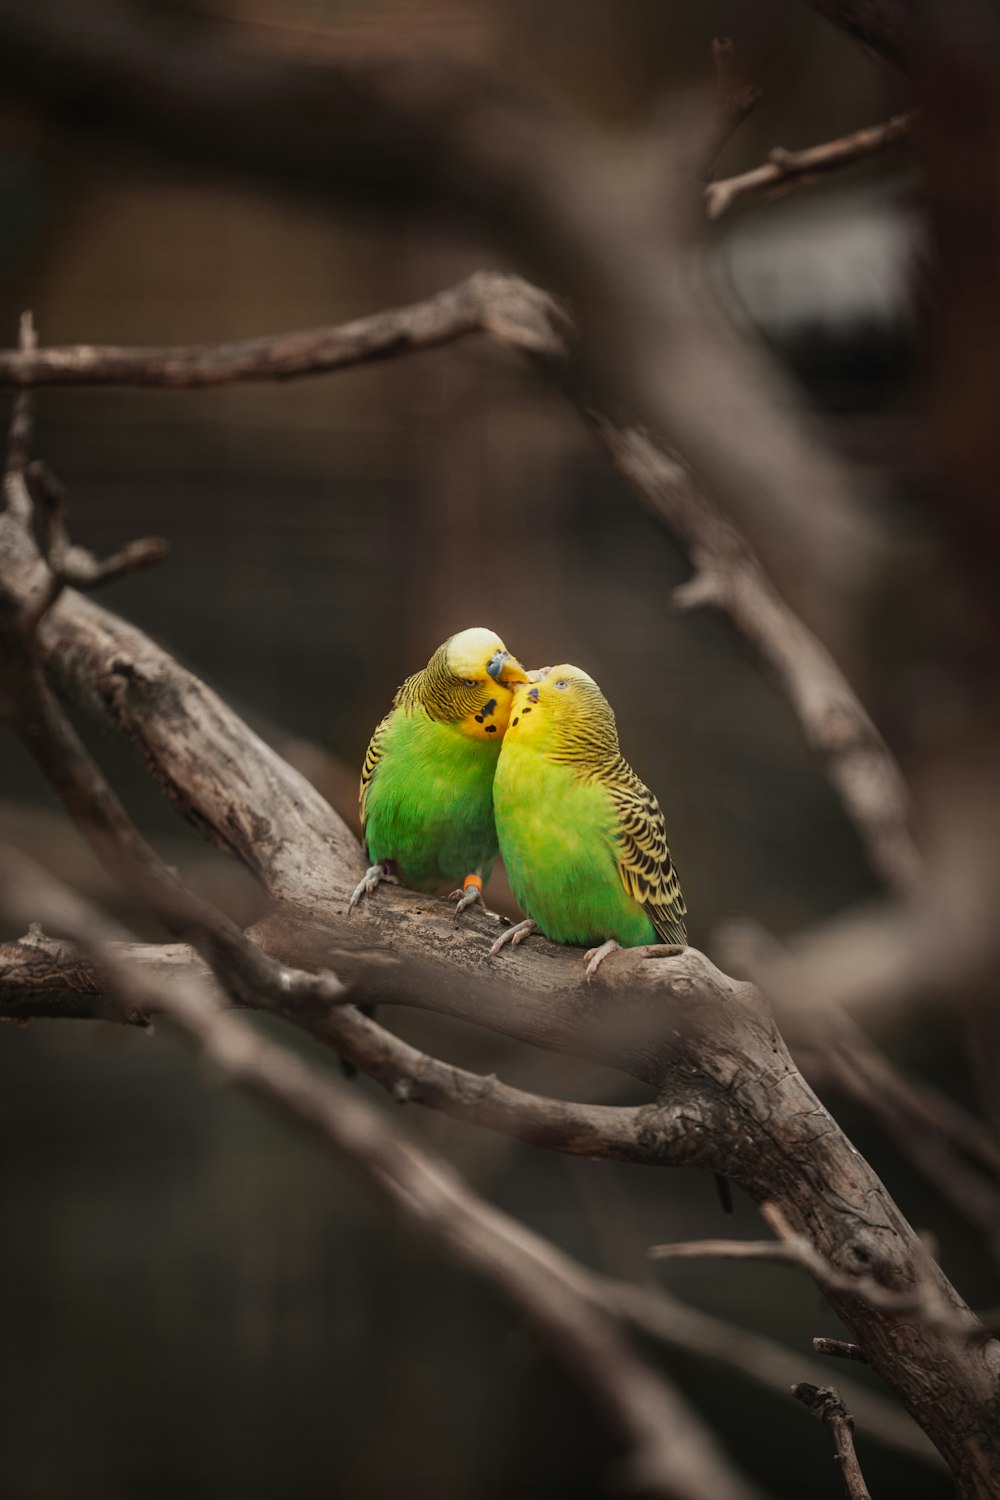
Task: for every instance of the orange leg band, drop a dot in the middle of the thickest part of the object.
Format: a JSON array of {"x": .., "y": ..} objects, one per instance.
[{"x": 476, "y": 880}]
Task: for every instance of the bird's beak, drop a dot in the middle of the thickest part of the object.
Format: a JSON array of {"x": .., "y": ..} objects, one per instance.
[{"x": 505, "y": 669}]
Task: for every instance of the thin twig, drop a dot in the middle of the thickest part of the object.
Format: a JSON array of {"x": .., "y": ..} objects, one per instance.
[
  {"x": 785, "y": 170},
  {"x": 923, "y": 1300},
  {"x": 72, "y": 565},
  {"x": 827, "y": 1404}
]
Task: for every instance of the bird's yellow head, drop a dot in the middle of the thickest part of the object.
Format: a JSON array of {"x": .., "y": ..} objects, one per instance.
[
  {"x": 468, "y": 682},
  {"x": 563, "y": 713}
]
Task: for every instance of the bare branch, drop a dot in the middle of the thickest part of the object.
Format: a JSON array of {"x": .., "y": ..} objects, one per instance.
[
  {"x": 785, "y": 170},
  {"x": 676, "y": 1022},
  {"x": 729, "y": 577},
  {"x": 827, "y": 1404},
  {"x": 670, "y": 1453},
  {"x": 791, "y": 1248},
  {"x": 508, "y": 309},
  {"x": 72, "y": 564}
]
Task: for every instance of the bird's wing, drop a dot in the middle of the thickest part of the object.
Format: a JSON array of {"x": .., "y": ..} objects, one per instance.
[
  {"x": 373, "y": 755},
  {"x": 643, "y": 855}
]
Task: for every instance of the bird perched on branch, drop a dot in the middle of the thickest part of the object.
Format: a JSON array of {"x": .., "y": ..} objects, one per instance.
[
  {"x": 427, "y": 781},
  {"x": 582, "y": 839}
]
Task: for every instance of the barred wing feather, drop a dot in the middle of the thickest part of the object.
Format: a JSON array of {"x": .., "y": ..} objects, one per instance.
[
  {"x": 374, "y": 753},
  {"x": 644, "y": 864}
]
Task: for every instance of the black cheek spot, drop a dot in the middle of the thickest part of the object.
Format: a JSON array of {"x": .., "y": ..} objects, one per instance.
[
  {"x": 513, "y": 722},
  {"x": 533, "y": 694},
  {"x": 527, "y": 710},
  {"x": 489, "y": 707},
  {"x": 479, "y": 718},
  {"x": 491, "y": 729}
]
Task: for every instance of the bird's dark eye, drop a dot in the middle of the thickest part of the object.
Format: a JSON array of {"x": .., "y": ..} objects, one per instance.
[
  {"x": 562, "y": 683},
  {"x": 470, "y": 681}
]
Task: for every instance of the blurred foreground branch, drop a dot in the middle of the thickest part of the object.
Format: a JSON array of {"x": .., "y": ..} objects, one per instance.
[{"x": 669, "y": 1452}]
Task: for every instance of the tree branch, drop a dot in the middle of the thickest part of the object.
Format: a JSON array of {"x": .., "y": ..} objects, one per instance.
[
  {"x": 793, "y": 1249},
  {"x": 504, "y": 307},
  {"x": 705, "y": 1058},
  {"x": 670, "y": 1453},
  {"x": 736, "y": 1102},
  {"x": 828, "y": 1405},
  {"x": 785, "y": 170}
]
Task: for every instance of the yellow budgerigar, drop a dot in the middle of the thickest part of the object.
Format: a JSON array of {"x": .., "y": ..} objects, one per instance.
[
  {"x": 427, "y": 782},
  {"x": 582, "y": 839}
]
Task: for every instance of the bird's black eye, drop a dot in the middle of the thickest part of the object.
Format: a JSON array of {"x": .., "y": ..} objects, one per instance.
[
  {"x": 562, "y": 683},
  {"x": 470, "y": 681}
]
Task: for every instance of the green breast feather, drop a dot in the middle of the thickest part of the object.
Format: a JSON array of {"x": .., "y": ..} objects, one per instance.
[
  {"x": 427, "y": 800},
  {"x": 586, "y": 854}
]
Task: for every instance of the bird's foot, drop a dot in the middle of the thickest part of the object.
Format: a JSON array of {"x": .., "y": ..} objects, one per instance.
[
  {"x": 513, "y": 936},
  {"x": 471, "y": 892},
  {"x": 373, "y": 877},
  {"x": 594, "y": 957}
]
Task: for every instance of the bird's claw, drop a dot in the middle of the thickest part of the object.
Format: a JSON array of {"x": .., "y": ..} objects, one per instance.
[
  {"x": 370, "y": 880},
  {"x": 513, "y": 936},
  {"x": 594, "y": 957},
  {"x": 466, "y": 898}
]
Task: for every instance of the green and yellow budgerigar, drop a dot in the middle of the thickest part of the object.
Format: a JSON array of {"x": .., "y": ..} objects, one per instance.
[
  {"x": 582, "y": 839},
  {"x": 427, "y": 781}
]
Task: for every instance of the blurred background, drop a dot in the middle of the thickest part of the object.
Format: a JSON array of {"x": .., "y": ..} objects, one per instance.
[{"x": 192, "y": 1298}]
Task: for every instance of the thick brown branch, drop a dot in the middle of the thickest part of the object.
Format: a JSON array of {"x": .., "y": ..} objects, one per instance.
[
  {"x": 785, "y": 170},
  {"x": 40, "y": 978}
]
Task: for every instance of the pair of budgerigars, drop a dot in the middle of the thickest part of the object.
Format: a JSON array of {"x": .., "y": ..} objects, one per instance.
[{"x": 478, "y": 756}]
